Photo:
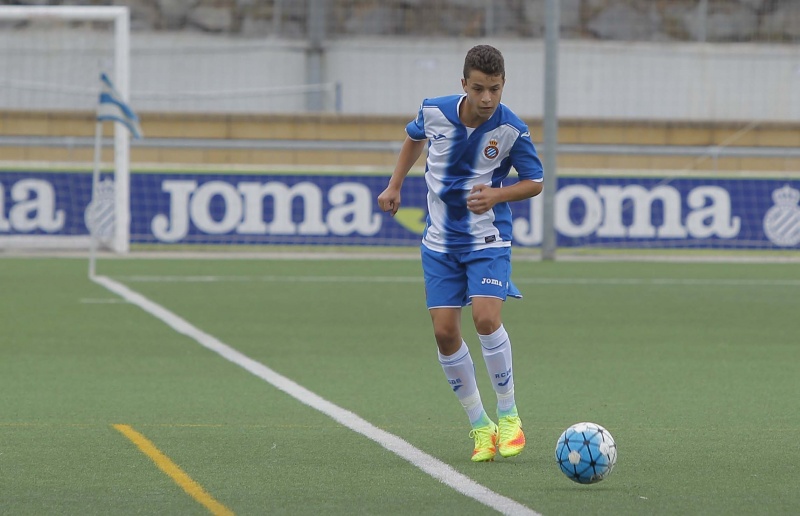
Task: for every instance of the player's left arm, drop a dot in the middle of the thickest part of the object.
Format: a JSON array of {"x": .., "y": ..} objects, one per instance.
[{"x": 482, "y": 198}]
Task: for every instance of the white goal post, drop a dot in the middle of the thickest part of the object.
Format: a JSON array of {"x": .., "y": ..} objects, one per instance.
[{"x": 118, "y": 19}]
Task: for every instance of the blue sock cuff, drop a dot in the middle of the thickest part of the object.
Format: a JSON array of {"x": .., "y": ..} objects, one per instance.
[
  {"x": 462, "y": 353},
  {"x": 495, "y": 340}
]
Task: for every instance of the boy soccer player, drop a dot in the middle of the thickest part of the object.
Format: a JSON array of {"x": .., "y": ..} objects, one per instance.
[{"x": 473, "y": 140}]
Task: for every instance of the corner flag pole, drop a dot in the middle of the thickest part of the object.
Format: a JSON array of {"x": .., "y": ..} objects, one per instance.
[
  {"x": 98, "y": 149},
  {"x": 100, "y": 212}
]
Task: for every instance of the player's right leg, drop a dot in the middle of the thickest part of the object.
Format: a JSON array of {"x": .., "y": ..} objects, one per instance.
[
  {"x": 459, "y": 370},
  {"x": 445, "y": 286}
]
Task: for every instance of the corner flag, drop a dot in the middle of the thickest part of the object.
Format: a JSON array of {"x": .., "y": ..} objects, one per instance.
[{"x": 112, "y": 107}]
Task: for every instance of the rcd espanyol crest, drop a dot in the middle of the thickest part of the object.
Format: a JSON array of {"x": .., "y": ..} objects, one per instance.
[
  {"x": 491, "y": 151},
  {"x": 99, "y": 214},
  {"x": 782, "y": 221}
]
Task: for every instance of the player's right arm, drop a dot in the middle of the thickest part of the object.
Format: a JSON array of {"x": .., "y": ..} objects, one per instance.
[{"x": 389, "y": 199}]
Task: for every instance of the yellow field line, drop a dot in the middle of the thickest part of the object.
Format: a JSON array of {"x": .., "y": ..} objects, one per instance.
[{"x": 166, "y": 465}]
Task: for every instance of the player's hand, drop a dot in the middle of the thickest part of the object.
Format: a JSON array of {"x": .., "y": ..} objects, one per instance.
[
  {"x": 481, "y": 199},
  {"x": 389, "y": 200}
]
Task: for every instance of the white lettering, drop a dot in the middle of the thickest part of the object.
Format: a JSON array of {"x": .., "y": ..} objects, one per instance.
[
  {"x": 176, "y": 226},
  {"x": 35, "y": 207},
  {"x": 4, "y": 225},
  {"x": 200, "y": 208},
  {"x": 529, "y": 232},
  {"x": 351, "y": 209},
  {"x": 592, "y": 205},
  {"x": 300, "y": 210},
  {"x": 717, "y": 213},
  {"x": 355, "y": 217},
  {"x": 283, "y": 199},
  {"x": 642, "y": 202}
]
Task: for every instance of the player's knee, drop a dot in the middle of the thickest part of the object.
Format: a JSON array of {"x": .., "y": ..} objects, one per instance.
[
  {"x": 485, "y": 323},
  {"x": 448, "y": 337}
]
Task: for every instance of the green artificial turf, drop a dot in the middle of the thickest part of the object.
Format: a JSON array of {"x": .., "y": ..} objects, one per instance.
[{"x": 693, "y": 368}]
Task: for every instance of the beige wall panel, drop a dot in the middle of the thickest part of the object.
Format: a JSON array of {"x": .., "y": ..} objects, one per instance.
[
  {"x": 679, "y": 163},
  {"x": 773, "y": 137},
  {"x": 631, "y": 162},
  {"x": 224, "y": 156},
  {"x": 181, "y": 156},
  {"x": 306, "y": 131},
  {"x": 386, "y": 131},
  {"x": 344, "y": 131},
  {"x": 375, "y": 159},
  {"x": 582, "y": 161},
  {"x": 688, "y": 135},
  {"x": 144, "y": 155},
  {"x": 318, "y": 158},
  {"x": 645, "y": 135},
  {"x": 268, "y": 158},
  {"x": 34, "y": 126},
  {"x": 354, "y": 128},
  {"x": 567, "y": 133},
  {"x": 74, "y": 127},
  {"x": 260, "y": 130},
  {"x": 78, "y": 155},
  {"x": 14, "y": 154},
  {"x": 183, "y": 126},
  {"x": 765, "y": 164},
  {"x": 791, "y": 165},
  {"x": 738, "y": 136},
  {"x": 601, "y": 134}
]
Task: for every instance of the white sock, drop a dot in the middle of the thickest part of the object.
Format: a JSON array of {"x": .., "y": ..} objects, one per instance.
[
  {"x": 460, "y": 372},
  {"x": 496, "y": 350}
]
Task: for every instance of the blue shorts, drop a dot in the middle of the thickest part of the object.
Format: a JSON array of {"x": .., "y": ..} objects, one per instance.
[{"x": 452, "y": 279}]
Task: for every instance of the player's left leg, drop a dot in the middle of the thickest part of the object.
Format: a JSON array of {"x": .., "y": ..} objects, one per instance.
[
  {"x": 489, "y": 285},
  {"x": 496, "y": 348}
]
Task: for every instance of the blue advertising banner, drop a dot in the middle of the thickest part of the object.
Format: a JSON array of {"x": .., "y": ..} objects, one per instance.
[{"x": 311, "y": 209}]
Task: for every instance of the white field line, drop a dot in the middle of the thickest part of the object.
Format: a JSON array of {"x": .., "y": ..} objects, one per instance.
[
  {"x": 520, "y": 281},
  {"x": 427, "y": 463}
]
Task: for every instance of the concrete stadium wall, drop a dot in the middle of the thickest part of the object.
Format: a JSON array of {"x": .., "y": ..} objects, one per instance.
[
  {"x": 199, "y": 73},
  {"x": 605, "y": 80}
]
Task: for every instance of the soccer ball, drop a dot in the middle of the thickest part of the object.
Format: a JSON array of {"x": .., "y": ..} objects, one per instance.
[{"x": 586, "y": 453}]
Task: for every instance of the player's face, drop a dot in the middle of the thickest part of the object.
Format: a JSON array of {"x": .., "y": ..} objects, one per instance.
[{"x": 483, "y": 94}]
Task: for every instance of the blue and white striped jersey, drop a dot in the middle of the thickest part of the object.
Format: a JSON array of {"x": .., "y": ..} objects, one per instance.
[{"x": 458, "y": 160}]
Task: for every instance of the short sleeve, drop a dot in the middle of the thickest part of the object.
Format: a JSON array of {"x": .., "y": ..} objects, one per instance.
[
  {"x": 416, "y": 128},
  {"x": 525, "y": 159}
]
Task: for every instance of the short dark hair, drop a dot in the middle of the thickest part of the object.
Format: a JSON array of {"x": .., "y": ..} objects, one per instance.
[{"x": 486, "y": 59}]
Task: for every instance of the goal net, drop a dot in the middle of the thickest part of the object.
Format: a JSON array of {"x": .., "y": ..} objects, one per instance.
[{"x": 53, "y": 58}]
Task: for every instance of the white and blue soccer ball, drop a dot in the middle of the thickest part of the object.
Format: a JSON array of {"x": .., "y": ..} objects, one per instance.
[{"x": 586, "y": 453}]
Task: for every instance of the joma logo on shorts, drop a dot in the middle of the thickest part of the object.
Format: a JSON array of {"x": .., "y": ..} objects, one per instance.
[{"x": 491, "y": 281}]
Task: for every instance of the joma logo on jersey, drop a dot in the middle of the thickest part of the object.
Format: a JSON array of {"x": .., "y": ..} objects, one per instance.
[
  {"x": 491, "y": 281},
  {"x": 491, "y": 151}
]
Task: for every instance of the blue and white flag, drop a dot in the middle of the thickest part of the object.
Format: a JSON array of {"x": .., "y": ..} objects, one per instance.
[{"x": 112, "y": 107}]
